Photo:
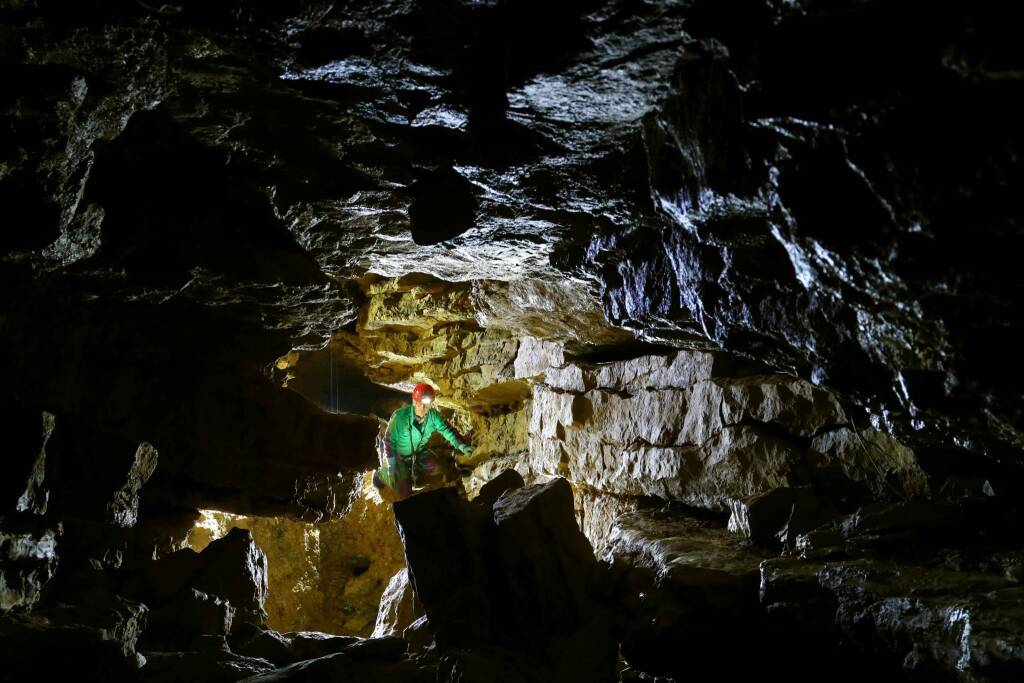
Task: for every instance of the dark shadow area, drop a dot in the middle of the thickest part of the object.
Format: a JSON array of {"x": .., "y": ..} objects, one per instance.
[
  {"x": 444, "y": 206},
  {"x": 337, "y": 385}
]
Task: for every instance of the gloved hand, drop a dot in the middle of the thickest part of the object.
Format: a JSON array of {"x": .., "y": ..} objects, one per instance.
[{"x": 466, "y": 449}]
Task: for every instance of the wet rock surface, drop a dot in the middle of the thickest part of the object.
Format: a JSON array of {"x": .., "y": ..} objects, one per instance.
[{"x": 806, "y": 204}]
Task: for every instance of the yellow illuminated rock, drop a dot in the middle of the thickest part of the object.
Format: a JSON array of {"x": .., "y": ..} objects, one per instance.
[{"x": 322, "y": 577}]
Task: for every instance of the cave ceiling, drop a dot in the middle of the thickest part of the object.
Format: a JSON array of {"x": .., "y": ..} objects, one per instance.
[{"x": 199, "y": 187}]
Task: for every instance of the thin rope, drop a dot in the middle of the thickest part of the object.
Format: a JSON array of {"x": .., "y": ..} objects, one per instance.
[{"x": 330, "y": 390}]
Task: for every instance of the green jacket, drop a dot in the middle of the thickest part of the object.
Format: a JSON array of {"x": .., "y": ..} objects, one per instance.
[{"x": 406, "y": 437}]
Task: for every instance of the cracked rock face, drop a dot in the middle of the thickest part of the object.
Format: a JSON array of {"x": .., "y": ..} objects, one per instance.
[{"x": 681, "y": 428}]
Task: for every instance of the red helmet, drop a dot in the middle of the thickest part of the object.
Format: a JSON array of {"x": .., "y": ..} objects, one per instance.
[{"x": 423, "y": 393}]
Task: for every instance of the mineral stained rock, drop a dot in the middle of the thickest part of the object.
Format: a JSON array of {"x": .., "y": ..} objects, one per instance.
[{"x": 326, "y": 576}]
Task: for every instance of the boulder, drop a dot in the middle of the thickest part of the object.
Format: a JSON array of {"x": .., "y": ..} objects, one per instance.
[
  {"x": 28, "y": 559},
  {"x": 443, "y": 537},
  {"x": 342, "y": 667},
  {"x": 549, "y": 569},
  {"x": 90, "y": 641},
  {"x": 312, "y": 644},
  {"x": 925, "y": 590},
  {"x": 386, "y": 649},
  {"x": 493, "y": 489},
  {"x": 419, "y": 635},
  {"x": 398, "y": 608},
  {"x": 520, "y": 577},
  {"x": 687, "y": 592},
  {"x": 903, "y": 529},
  {"x": 233, "y": 568},
  {"x": 889, "y": 620},
  {"x": 214, "y": 666},
  {"x": 491, "y": 665},
  {"x": 774, "y": 519},
  {"x": 269, "y": 645},
  {"x": 176, "y": 624}
]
